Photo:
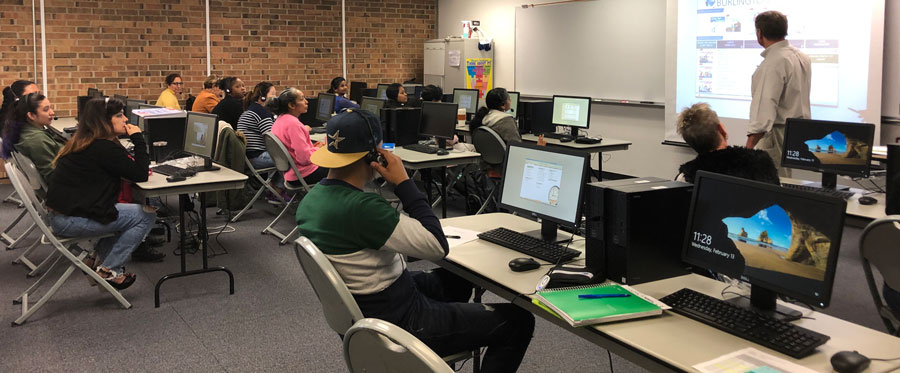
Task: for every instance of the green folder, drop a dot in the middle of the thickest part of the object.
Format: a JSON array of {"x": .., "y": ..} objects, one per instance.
[{"x": 579, "y": 312}]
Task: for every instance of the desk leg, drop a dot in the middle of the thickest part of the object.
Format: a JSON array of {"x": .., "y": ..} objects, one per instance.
[
  {"x": 183, "y": 201},
  {"x": 599, "y": 170},
  {"x": 443, "y": 192}
]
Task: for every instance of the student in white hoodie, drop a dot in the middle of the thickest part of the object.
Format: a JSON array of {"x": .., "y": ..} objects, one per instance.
[{"x": 495, "y": 116}]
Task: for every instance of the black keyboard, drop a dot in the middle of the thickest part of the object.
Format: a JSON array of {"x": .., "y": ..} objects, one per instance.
[
  {"x": 317, "y": 130},
  {"x": 828, "y": 192},
  {"x": 554, "y": 135},
  {"x": 784, "y": 337},
  {"x": 427, "y": 149},
  {"x": 166, "y": 169},
  {"x": 530, "y": 246}
]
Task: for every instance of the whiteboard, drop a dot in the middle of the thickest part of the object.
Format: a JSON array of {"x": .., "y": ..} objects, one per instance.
[{"x": 604, "y": 49}]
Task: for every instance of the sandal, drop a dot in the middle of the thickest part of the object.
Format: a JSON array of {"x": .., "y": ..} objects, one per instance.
[
  {"x": 120, "y": 281},
  {"x": 90, "y": 261}
]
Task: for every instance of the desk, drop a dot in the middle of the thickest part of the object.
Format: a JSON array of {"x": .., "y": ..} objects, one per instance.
[
  {"x": 209, "y": 181},
  {"x": 858, "y": 215},
  {"x": 670, "y": 342},
  {"x": 607, "y": 145},
  {"x": 416, "y": 161}
]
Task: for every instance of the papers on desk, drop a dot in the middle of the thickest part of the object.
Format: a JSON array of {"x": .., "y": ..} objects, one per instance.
[
  {"x": 155, "y": 112},
  {"x": 464, "y": 235},
  {"x": 750, "y": 360}
]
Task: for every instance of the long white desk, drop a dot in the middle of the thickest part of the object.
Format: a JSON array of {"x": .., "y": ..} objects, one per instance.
[
  {"x": 858, "y": 215},
  {"x": 669, "y": 342}
]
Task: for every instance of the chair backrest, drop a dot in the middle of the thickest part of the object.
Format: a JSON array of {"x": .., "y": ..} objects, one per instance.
[
  {"x": 26, "y": 193},
  {"x": 490, "y": 145},
  {"x": 375, "y": 346},
  {"x": 27, "y": 167},
  {"x": 282, "y": 158},
  {"x": 878, "y": 247},
  {"x": 338, "y": 305}
]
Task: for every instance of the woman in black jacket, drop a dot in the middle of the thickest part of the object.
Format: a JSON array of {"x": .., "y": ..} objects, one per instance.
[
  {"x": 84, "y": 188},
  {"x": 232, "y": 106}
]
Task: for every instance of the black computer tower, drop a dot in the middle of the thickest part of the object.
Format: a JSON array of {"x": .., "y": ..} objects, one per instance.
[
  {"x": 170, "y": 130},
  {"x": 892, "y": 180},
  {"x": 356, "y": 91},
  {"x": 536, "y": 117},
  {"x": 635, "y": 228},
  {"x": 401, "y": 125}
]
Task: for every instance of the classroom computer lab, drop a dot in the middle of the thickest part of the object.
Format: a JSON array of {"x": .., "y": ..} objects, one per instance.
[{"x": 450, "y": 186}]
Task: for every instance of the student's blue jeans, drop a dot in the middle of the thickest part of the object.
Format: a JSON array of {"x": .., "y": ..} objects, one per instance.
[
  {"x": 130, "y": 228},
  {"x": 433, "y": 306}
]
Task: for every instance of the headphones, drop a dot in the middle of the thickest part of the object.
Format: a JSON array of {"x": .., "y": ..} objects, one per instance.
[{"x": 373, "y": 155}]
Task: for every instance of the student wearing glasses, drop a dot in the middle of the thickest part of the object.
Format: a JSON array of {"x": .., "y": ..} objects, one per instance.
[{"x": 169, "y": 97}]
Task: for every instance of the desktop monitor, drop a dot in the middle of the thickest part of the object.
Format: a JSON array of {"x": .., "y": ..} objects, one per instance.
[
  {"x": 325, "y": 106},
  {"x": 466, "y": 98},
  {"x": 381, "y": 91},
  {"x": 356, "y": 91},
  {"x": 544, "y": 182},
  {"x": 780, "y": 240},
  {"x": 372, "y": 105},
  {"x": 94, "y": 92},
  {"x": 124, "y": 99},
  {"x": 513, "y": 104},
  {"x": 131, "y": 104},
  {"x": 200, "y": 133},
  {"x": 828, "y": 147},
  {"x": 892, "y": 180},
  {"x": 438, "y": 120},
  {"x": 571, "y": 111},
  {"x": 413, "y": 91}
]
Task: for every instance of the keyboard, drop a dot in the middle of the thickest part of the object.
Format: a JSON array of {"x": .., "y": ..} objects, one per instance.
[
  {"x": 530, "y": 246},
  {"x": 427, "y": 149},
  {"x": 828, "y": 192},
  {"x": 784, "y": 337},
  {"x": 317, "y": 130},
  {"x": 554, "y": 135},
  {"x": 166, "y": 169}
]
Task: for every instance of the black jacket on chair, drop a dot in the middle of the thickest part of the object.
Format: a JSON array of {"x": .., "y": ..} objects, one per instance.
[{"x": 735, "y": 161}]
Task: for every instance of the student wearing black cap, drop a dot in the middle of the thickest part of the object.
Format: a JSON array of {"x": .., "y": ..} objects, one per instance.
[{"x": 366, "y": 239}]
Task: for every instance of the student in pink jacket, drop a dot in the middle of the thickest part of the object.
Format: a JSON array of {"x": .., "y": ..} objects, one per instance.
[{"x": 288, "y": 106}]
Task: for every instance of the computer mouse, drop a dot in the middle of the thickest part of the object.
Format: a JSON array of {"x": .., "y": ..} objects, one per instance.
[
  {"x": 442, "y": 152},
  {"x": 187, "y": 172},
  {"x": 175, "y": 178},
  {"x": 523, "y": 264},
  {"x": 849, "y": 362},
  {"x": 566, "y": 139},
  {"x": 866, "y": 200}
]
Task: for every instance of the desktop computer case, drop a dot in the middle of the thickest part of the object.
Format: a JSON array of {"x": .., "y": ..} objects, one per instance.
[
  {"x": 635, "y": 228},
  {"x": 401, "y": 125}
]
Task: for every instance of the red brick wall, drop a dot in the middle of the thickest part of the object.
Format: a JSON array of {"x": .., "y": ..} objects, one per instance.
[{"x": 127, "y": 48}]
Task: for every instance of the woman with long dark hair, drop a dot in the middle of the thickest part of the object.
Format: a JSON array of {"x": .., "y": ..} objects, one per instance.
[
  {"x": 84, "y": 188},
  {"x": 494, "y": 115},
  {"x": 254, "y": 123},
  {"x": 25, "y": 132},
  {"x": 340, "y": 89},
  {"x": 289, "y": 105},
  {"x": 12, "y": 93}
]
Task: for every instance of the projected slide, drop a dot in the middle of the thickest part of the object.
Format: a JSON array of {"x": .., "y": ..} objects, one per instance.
[
  {"x": 541, "y": 181},
  {"x": 718, "y": 52}
]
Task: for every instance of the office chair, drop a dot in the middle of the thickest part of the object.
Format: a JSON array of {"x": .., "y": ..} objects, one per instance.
[
  {"x": 373, "y": 345},
  {"x": 493, "y": 150},
  {"x": 878, "y": 248}
]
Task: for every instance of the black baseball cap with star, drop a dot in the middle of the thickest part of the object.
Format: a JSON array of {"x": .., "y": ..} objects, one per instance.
[{"x": 350, "y": 135}]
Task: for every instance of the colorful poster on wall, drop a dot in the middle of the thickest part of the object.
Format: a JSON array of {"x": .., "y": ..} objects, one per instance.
[{"x": 479, "y": 75}]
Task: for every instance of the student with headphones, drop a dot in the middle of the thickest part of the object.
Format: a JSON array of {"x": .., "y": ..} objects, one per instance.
[
  {"x": 169, "y": 97},
  {"x": 289, "y": 105},
  {"x": 12, "y": 93},
  {"x": 25, "y": 131},
  {"x": 366, "y": 240},
  {"x": 340, "y": 89},
  {"x": 232, "y": 106}
]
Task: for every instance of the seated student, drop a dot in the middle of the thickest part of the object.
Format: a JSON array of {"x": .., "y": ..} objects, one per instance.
[
  {"x": 254, "y": 123},
  {"x": 85, "y": 186},
  {"x": 207, "y": 100},
  {"x": 340, "y": 89},
  {"x": 701, "y": 129},
  {"x": 366, "y": 240},
  {"x": 288, "y": 106},
  {"x": 396, "y": 95},
  {"x": 25, "y": 131},
  {"x": 12, "y": 93},
  {"x": 432, "y": 93},
  {"x": 169, "y": 97},
  {"x": 495, "y": 116},
  {"x": 230, "y": 108}
]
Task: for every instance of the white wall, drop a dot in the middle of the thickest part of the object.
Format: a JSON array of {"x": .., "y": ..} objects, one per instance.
[{"x": 642, "y": 126}]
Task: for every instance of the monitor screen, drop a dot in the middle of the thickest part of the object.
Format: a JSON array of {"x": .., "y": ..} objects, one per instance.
[
  {"x": 466, "y": 98},
  {"x": 830, "y": 147},
  {"x": 513, "y": 104},
  {"x": 94, "y": 92},
  {"x": 438, "y": 119},
  {"x": 571, "y": 111},
  {"x": 372, "y": 105},
  {"x": 200, "y": 134},
  {"x": 381, "y": 91},
  {"x": 544, "y": 181},
  {"x": 783, "y": 240},
  {"x": 325, "y": 106},
  {"x": 413, "y": 90},
  {"x": 131, "y": 104},
  {"x": 356, "y": 91}
]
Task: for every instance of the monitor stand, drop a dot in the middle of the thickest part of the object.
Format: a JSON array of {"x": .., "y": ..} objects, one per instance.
[
  {"x": 574, "y": 132},
  {"x": 829, "y": 181},
  {"x": 441, "y": 143},
  {"x": 763, "y": 300},
  {"x": 547, "y": 232},
  {"x": 207, "y": 166}
]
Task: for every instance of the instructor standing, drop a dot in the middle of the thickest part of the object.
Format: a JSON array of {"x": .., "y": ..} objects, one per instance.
[{"x": 780, "y": 87}]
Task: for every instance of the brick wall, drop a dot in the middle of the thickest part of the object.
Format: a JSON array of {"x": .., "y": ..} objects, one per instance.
[{"x": 127, "y": 48}]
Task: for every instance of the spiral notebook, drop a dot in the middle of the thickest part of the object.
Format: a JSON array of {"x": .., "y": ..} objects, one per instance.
[{"x": 579, "y": 312}]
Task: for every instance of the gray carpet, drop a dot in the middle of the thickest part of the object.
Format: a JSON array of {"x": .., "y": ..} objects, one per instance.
[{"x": 272, "y": 322}]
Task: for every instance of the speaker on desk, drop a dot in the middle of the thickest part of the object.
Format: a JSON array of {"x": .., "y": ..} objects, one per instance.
[{"x": 892, "y": 180}]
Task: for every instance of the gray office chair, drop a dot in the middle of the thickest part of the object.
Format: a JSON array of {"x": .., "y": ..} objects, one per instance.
[
  {"x": 63, "y": 257},
  {"x": 878, "y": 247},
  {"x": 374, "y": 346},
  {"x": 493, "y": 150},
  {"x": 284, "y": 163},
  {"x": 338, "y": 305}
]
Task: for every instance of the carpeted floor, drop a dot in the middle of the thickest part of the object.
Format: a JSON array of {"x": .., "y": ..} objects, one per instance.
[{"x": 272, "y": 322}]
